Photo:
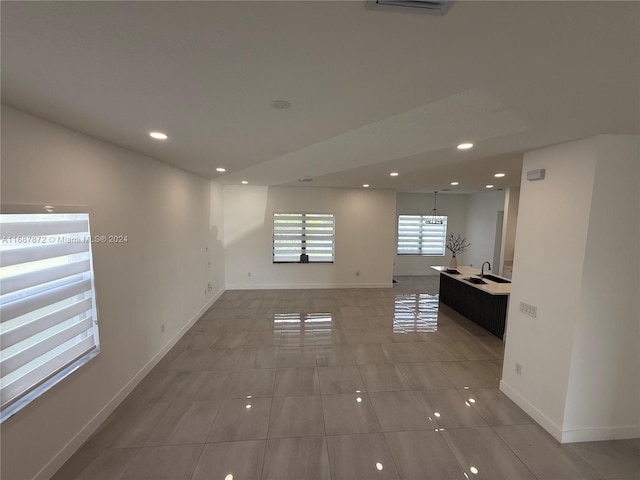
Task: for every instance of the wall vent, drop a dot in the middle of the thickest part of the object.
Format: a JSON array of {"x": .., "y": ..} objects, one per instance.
[{"x": 432, "y": 7}]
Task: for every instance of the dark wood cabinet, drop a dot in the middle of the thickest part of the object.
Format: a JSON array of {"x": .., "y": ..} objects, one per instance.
[{"x": 487, "y": 310}]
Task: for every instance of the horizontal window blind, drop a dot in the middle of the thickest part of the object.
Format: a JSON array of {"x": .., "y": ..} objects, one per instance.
[
  {"x": 295, "y": 234},
  {"x": 416, "y": 237},
  {"x": 48, "y": 321}
]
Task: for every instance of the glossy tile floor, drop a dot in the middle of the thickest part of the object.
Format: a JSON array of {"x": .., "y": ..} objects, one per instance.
[{"x": 334, "y": 384}]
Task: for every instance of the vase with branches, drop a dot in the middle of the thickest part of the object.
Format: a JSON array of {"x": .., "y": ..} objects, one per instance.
[{"x": 456, "y": 244}]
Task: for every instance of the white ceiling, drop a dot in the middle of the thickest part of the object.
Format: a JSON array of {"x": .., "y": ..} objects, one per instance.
[{"x": 371, "y": 91}]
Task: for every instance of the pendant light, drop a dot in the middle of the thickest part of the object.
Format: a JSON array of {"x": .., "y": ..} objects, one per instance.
[{"x": 434, "y": 218}]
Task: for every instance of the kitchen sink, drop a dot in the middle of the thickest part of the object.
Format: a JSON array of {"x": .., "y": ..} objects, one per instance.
[
  {"x": 493, "y": 278},
  {"x": 476, "y": 280}
]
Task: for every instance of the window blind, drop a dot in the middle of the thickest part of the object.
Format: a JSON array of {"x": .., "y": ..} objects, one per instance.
[
  {"x": 416, "y": 237},
  {"x": 48, "y": 321},
  {"x": 303, "y": 233}
]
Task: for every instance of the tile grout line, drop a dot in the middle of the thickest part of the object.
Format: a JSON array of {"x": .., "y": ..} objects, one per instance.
[
  {"x": 195, "y": 465},
  {"x": 492, "y": 427},
  {"x": 513, "y": 452},
  {"x": 324, "y": 426},
  {"x": 480, "y": 371},
  {"x": 266, "y": 440},
  {"x": 448, "y": 444}
]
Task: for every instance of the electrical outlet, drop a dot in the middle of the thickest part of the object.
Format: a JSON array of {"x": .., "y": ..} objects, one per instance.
[
  {"x": 249, "y": 274},
  {"x": 162, "y": 328},
  {"x": 528, "y": 309},
  {"x": 209, "y": 287},
  {"x": 518, "y": 369},
  {"x": 357, "y": 273}
]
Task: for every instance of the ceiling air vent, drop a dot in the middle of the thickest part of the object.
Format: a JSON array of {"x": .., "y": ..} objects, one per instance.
[{"x": 433, "y": 7}]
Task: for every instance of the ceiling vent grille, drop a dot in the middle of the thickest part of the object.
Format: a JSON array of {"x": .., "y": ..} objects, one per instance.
[{"x": 432, "y": 7}]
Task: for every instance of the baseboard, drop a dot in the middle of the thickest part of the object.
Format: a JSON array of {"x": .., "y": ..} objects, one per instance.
[
  {"x": 570, "y": 435},
  {"x": 600, "y": 433},
  {"x": 541, "y": 419},
  {"x": 92, "y": 425},
  {"x": 299, "y": 286}
]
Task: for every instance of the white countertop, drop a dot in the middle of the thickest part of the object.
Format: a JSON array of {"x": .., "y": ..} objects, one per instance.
[{"x": 493, "y": 288}]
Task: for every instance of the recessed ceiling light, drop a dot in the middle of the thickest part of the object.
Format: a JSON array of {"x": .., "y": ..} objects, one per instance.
[
  {"x": 394, "y": 174},
  {"x": 455, "y": 183},
  {"x": 365, "y": 185},
  {"x": 489, "y": 186},
  {"x": 499, "y": 175},
  {"x": 280, "y": 104},
  {"x": 244, "y": 182},
  {"x": 158, "y": 135},
  {"x": 220, "y": 169},
  {"x": 465, "y": 146}
]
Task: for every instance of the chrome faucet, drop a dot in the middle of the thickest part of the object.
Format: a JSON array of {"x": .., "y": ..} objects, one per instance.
[{"x": 482, "y": 271}]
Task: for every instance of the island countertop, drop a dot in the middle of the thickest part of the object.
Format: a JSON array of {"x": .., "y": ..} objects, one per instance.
[{"x": 491, "y": 287}]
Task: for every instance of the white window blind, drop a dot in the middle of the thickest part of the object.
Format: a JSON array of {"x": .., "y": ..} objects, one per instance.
[
  {"x": 295, "y": 234},
  {"x": 48, "y": 321},
  {"x": 416, "y": 237}
]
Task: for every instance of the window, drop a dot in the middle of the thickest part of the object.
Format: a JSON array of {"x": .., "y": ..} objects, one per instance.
[
  {"x": 47, "y": 303},
  {"x": 298, "y": 234},
  {"x": 415, "y": 237}
]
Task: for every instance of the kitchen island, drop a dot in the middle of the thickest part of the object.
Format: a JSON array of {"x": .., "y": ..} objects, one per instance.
[{"x": 483, "y": 303}]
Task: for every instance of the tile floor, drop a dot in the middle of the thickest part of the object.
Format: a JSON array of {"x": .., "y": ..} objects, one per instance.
[{"x": 334, "y": 384}]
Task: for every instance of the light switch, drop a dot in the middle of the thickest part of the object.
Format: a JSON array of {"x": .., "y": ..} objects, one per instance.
[{"x": 528, "y": 309}]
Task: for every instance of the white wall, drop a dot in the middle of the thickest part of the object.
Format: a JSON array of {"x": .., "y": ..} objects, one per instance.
[
  {"x": 453, "y": 206},
  {"x": 473, "y": 216},
  {"x": 157, "y": 278},
  {"x": 482, "y": 214},
  {"x": 585, "y": 337},
  {"x": 511, "y": 202},
  {"x": 215, "y": 248},
  {"x": 364, "y": 237},
  {"x": 604, "y": 385},
  {"x": 551, "y": 237}
]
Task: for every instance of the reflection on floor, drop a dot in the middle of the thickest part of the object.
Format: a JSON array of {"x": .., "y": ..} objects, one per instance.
[
  {"x": 415, "y": 312},
  {"x": 334, "y": 384}
]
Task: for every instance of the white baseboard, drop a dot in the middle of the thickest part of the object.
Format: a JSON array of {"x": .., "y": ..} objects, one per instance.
[
  {"x": 593, "y": 434},
  {"x": 92, "y": 425},
  {"x": 600, "y": 433},
  {"x": 299, "y": 286},
  {"x": 541, "y": 419}
]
